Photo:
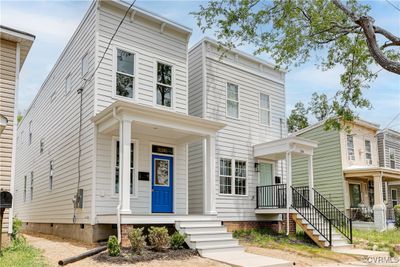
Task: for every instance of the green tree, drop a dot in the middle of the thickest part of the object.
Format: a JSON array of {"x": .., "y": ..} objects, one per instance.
[
  {"x": 297, "y": 119},
  {"x": 293, "y": 31},
  {"x": 319, "y": 106}
]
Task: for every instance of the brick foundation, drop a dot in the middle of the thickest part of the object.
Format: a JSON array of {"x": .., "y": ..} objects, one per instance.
[{"x": 276, "y": 226}]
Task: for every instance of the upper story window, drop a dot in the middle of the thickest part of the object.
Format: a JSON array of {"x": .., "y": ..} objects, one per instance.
[
  {"x": 392, "y": 158},
  {"x": 51, "y": 173},
  {"x": 30, "y": 133},
  {"x": 125, "y": 76},
  {"x": 164, "y": 85},
  {"x": 350, "y": 148},
  {"x": 368, "y": 153},
  {"x": 68, "y": 84},
  {"x": 85, "y": 65},
  {"x": 232, "y": 101},
  {"x": 265, "y": 109}
]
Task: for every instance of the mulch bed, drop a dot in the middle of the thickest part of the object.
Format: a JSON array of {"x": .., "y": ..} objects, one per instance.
[{"x": 127, "y": 256}]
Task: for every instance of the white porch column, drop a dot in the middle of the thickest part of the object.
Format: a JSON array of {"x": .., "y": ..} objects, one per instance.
[
  {"x": 124, "y": 162},
  {"x": 379, "y": 206},
  {"x": 288, "y": 189},
  {"x": 209, "y": 185},
  {"x": 311, "y": 178}
]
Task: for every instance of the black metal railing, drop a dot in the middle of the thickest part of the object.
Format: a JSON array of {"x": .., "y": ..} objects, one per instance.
[
  {"x": 338, "y": 219},
  {"x": 271, "y": 196},
  {"x": 321, "y": 223}
]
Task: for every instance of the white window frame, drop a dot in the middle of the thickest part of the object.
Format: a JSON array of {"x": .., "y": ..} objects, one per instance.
[
  {"x": 51, "y": 175},
  {"x": 41, "y": 146},
  {"x": 236, "y": 101},
  {"x": 25, "y": 186},
  {"x": 265, "y": 109},
  {"x": 391, "y": 197},
  {"x": 31, "y": 186},
  {"x": 365, "y": 148},
  {"x": 394, "y": 157},
  {"x": 233, "y": 177},
  {"x": 156, "y": 62},
  {"x": 347, "y": 148},
  {"x": 68, "y": 84},
  {"x": 84, "y": 65},
  {"x": 30, "y": 133},
  {"x": 135, "y": 142},
  {"x": 135, "y": 76}
]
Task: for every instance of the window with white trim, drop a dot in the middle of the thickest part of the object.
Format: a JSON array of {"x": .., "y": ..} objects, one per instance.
[
  {"x": 164, "y": 85},
  {"x": 395, "y": 200},
  {"x": 84, "y": 65},
  {"x": 51, "y": 175},
  {"x": 25, "y": 185},
  {"x": 232, "y": 182},
  {"x": 30, "y": 133},
  {"x": 41, "y": 146},
  {"x": 392, "y": 158},
  {"x": 125, "y": 74},
  {"x": 31, "y": 186},
  {"x": 350, "y": 148},
  {"x": 67, "y": 84},
  {"x": 232, "y": 100},
  {"x": 368, "y": 152},
  {"x": 265, "y": 109},
  {"x": 117, "y": 164}
]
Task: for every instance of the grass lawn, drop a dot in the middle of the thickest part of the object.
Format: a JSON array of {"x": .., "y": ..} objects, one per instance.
[
  {"x": 22, "y": 255},
  {"x": 384, "y": 241},
  {"x": 300, "y": 243}
]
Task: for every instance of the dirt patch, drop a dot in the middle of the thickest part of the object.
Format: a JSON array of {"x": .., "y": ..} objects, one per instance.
[{"x": 148, "y": 255}]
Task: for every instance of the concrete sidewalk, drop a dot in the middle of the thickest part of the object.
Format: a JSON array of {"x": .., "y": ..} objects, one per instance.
[{"x": 244, "y": 259}]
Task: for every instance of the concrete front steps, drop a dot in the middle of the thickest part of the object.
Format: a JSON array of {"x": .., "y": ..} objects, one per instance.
[{"x": 338, "y": 241}]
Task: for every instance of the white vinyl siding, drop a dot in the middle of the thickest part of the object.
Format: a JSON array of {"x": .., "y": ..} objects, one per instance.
[
  {"x": 265, "y": 109},
  {"x": 31, "y": 191},
  {"x": 350, "y": 148},
  {"x": 30, "y": 133},
  {"x": 85, "y": 65},
  {"x": 232, "y": 100},
  {"x": 25, "y": 187},
  {"x": 51, "y": 174},
  {"x": 41, "y": 146},
  {"x": 68, "y": 84}
]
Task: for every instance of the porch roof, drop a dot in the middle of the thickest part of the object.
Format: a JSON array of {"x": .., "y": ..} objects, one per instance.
[
  {"x": 182, "y": 125},
  {"x": 364, "y": 172},
  {"x": 277, "y": 149}
]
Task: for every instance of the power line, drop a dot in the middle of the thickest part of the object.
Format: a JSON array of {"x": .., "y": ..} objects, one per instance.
[
  {"x": 395, "y": 117},
  {"x": 393, "y": 5}
]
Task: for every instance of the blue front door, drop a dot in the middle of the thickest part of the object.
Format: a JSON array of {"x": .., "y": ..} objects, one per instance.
[{"x": 162, "y": 184}]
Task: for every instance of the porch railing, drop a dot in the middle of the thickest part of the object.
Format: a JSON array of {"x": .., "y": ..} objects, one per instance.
[
  {"x": 338, "y": 219},
  {"x": 271, "y": 196}
]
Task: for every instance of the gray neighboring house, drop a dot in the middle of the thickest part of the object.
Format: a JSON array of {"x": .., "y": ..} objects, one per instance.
[{"x": 389, "y": 157}]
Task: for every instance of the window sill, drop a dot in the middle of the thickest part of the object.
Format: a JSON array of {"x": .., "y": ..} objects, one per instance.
[{"x": 232, "y": 196}]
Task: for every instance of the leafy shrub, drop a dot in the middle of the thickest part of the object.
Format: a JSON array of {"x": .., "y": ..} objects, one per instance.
[
  {"x": 16, "y": 237},
  {"x": 177, "y": 240},
  {"x": 113, "y": 246},
  {"x": 137, "y": 239},
  {"x": 159, "y": 238},
  {"x": 397, "y": 216}
]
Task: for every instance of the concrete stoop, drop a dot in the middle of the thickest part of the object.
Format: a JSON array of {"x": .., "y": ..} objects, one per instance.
[
  {"x": 213, "y": 241},
  {"x": 360, "y": 252}
]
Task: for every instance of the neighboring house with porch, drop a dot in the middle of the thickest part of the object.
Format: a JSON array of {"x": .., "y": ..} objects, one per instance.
[
  {"x": 14, "y": 48},
  {"x": 389, "y": 157},
  {"x": 348, "y": 173}
]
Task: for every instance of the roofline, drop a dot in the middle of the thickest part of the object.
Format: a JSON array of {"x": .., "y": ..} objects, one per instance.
[
  {"x": 152, "y": 15},
  {"x": 239, "y": 52},
  {"x": 17, "y": 33},
  {"x": 390, "y": 131}
]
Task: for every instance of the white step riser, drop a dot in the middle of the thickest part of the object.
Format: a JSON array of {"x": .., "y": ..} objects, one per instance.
[
  {"x": 203, "y": 230},
  {"x": 216, "y": 236},
  {"x": 198, "y": 224},
  {"x": 214, "y": 250},
  {"x": 206, "y": 244}
]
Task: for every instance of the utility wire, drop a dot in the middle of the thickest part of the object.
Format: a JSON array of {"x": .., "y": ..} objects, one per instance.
[
  {"x": 80, "y": 92},
  {"x": 395, "y": 117},
  {"x": 393, "y": 5}
]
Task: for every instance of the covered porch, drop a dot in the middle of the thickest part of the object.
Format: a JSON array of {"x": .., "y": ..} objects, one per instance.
[
  {"x": 368, "y": 198},
  {"x": 142, "y": 154}
]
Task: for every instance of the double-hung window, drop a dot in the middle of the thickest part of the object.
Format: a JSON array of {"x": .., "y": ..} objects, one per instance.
[
  {"x": 25, "y": 185},
  {"x": 350, "y": 148},
  {"x": 232, "y": 100},
  {"x": 395, "y": 201},
  {"x": 164, "y": 85},
  {"x": 265, "y": 109},
  {"x": 232, "y": 182},
  {"x": 117, "y": 167},
  {"x": 368, "y": 153},
  {"x": 392, "y": 158},
  {"x": 125, "y": 76},
  {"x": 51, "y": 174}
]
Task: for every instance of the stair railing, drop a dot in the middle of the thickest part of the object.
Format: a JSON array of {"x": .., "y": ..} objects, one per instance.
[
  {"x": 321, "y": 223},
  {"x": 339, "y": 220},
  {"x": 271, "y": 196}
]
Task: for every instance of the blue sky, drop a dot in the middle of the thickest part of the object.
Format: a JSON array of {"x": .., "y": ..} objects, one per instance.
[{"x": 53, "y": 23}]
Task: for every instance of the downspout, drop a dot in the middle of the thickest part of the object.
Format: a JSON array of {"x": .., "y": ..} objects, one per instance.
[{"x": 120, "y": 188}]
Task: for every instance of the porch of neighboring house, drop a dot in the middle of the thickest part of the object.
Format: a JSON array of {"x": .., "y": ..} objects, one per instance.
[
  {"x": 369, "y": 196},
  {"x": 142, "y": 164}
]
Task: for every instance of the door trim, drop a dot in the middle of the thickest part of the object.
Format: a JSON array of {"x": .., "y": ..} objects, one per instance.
[
  {"x": 150, "y": 209},
  {"x": 169, "y": 187}
]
